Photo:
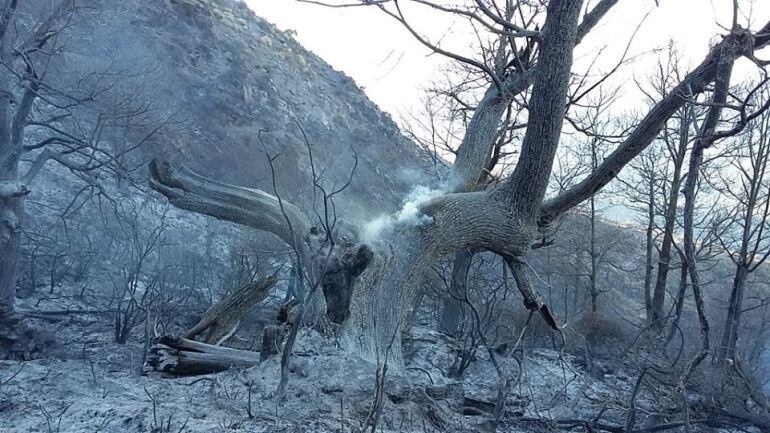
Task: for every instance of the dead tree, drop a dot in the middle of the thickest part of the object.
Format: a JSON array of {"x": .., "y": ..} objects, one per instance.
[
  {"x": 707, "y": 136},
  {"x": 180, "y": 356},
  {"x": 642, "y": 189},
  {"x": 747, "y": 247},
  {"x": 506, "y": 219},
  {"x": 585, "y": 158},
  {"x": 43, "y": 121},
  {"x": 448, "y": 108},
  {"x": 184, "y": 355},
  {"x": 676, "y": 138}
]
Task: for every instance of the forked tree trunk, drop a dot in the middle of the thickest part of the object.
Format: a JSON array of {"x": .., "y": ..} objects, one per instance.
[
  {"x": 388, "y": 288},
  {"x": 707, "y": 137}
]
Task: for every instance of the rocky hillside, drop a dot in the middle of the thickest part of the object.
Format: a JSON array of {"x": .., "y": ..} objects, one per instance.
[
  {"x": 224, "y": 90},
  {"x": 218, "y": 75}
]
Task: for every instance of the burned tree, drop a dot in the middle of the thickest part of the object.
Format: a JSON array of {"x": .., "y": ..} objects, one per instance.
[
  {"x": 337, "y": 281},
  {"x": 507, "y": 219},
  {"x": 747, "y": 245},
  {"x": 47, "y": 119}
]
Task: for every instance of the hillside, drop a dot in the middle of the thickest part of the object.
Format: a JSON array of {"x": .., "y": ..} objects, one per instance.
[{"x": 113, "y": 276}]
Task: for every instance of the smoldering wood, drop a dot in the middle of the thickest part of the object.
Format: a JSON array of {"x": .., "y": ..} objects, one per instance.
[
  {"x": 222, "y": 319},
  {"x": 337, "y": 281}
]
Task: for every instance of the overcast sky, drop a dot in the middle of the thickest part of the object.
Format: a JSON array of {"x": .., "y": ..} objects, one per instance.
[{"x": 394, "y": 69}]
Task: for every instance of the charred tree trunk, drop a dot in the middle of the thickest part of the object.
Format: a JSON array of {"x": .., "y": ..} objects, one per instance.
[
  {"x": 707, "y": 137},
  {"x": 594, "y": 274},
  {"x": 11, "y": 213},
  {"x": 753, "y": 251},
  {"x": 453, "y": 314},
  {"x": 728, "y": 344},
  {"x": 188, "y": 357},
  {"x": 271, "y": 342},
  {"x": 649, "y": 250},
  {"x": 664, "y": 257},
  {"x": 185, "y": 356},
  {"x": 680, "y": 295}
]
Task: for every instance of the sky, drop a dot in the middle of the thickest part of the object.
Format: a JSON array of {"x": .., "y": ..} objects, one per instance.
[{"x": 394, "y": 69}]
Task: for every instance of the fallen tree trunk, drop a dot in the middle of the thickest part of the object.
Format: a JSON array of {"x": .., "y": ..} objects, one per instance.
[
  {"x": 187, "y": 357},
  {"x": 221, "y": 320}
]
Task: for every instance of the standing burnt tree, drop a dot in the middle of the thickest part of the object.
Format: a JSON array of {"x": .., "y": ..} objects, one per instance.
[
  {"x": 506, "y": 219},
  {"x": 46, "y": 119},
  {"x": 746, "y": 242}
]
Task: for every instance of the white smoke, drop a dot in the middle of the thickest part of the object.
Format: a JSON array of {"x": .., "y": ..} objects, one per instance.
[{"x": 409, "y": 214}]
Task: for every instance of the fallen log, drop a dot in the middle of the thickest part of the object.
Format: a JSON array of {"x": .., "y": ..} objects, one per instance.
[
  {"x": 180, "y": 356},
  {"x": 185, "y": 356},
  {"x": 221, "y": 320}
]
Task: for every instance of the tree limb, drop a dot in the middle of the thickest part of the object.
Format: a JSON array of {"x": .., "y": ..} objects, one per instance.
[
  {"x": 730, "y": 48},
  {"x": 250, "y": 207}
]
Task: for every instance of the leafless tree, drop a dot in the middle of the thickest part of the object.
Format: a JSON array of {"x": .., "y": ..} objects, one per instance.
[
  {"x": 138, "y": 279},
  {"x": 507, "y": 219},
  {"x": 46, "y": 119},
  {"x": 676, "y": 138},
  {"x": 641, "y": 190},
  {"x": 746, "y": 242}
]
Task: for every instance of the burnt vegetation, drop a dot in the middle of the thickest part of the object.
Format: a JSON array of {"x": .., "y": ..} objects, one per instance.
[{"x": 208, "y": 229}]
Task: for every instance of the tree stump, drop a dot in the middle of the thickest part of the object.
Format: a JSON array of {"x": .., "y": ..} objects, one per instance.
[{"x": 272, "y": 337}]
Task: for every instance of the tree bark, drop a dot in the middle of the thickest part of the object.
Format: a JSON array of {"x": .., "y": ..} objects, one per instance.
[
  {"x": 11, "y": 213},
  {"x": 221, "y": 320},
  {"x": 453, "y": 312},
  {"x": 728, "y": 344}
]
